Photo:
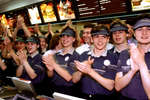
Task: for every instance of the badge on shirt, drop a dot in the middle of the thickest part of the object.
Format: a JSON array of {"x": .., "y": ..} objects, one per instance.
[
  {"x": 128, "y": 62},
  {"x": 67, "y": 58},
  {"x": 106, "y": 62}
]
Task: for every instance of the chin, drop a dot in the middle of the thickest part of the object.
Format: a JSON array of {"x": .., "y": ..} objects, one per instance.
[{"x": 30, "y": 52}]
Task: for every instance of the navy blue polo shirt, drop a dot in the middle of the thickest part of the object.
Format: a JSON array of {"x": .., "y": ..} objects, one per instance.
[
  {"x": 67, "y": 62},
  {"x": 115, "y": 53},
  {"x": 89, "y": 85},
  {"x": 37, "y": 66},
  {"x": 135, "y": 88}
]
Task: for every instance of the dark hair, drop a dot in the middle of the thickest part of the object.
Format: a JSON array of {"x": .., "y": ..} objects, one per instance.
[
  {"x": 20, "y": 33},
  {"x": 101, "y": 29},
  {"x": 36, "y": 39},
  {"x": 54, "y": 41}
]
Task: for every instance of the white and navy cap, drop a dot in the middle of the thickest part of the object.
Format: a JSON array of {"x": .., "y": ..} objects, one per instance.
[
  {"x": 68, "y": 31},
  {"x": 141, "y": 23},
  {"x": 102, "y": 30},
  {"x": 118, "y": 27}
]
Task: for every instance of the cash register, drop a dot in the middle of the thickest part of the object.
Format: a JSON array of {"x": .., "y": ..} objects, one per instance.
[{"x": 23, "y": 90}]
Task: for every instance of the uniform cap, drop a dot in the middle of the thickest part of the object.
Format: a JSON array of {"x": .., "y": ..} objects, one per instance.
[
  {"x": 102, "y": 30},
  {"x": 141, "y": 23},
  {"x": 118, "y": 27},
  {"x": 32, "y": 39},
  {"x": 68, "y": 31},
  {"x": 20, "y": 39}
]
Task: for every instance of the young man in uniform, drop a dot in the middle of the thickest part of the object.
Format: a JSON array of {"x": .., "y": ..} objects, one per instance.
[
  {"x": 58, "y": 64},
  {"x": 119, "y": 31},
  {"x": 132, "y": 78},
  {"x": 87, "y": 39},
  {"x": 95, "y": 74},
  {"x": 31, "y": 66},
  {"x": 43, "y": 44}
]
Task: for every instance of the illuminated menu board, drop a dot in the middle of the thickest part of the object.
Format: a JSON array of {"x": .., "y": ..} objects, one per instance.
[
  {"x": 138, "y": 5},
  {"x": 92, "y": 8},
  {"x": 34, "y": 15},
  {"x": 4, "y": 20},
  {"x": 65, "y": 9},
  {"x": 88, "y": 8},
  {"x": 113, "y": 6},
  {"x": 48, "y": 12}
]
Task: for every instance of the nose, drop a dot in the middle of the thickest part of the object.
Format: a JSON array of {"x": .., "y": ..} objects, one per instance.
[{"x": 144, "y": 32}]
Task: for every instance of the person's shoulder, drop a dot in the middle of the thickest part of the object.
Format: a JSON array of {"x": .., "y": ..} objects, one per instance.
[
  {"x": 49, "y": 52},
  {"x": 109, "y": 46},
  {"x": 81, "y": 49},
  {"x": 111, "y": 50}
]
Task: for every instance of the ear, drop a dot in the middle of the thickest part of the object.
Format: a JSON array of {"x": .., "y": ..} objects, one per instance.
[
  {"x": 38, "y": 45},
  {"x": 73, "y": 39},
  {"x": 108, "y": 39},
  {"x": 91, "y": 40}
]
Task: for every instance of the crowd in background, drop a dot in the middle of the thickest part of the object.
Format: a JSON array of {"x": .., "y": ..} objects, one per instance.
[{"x": 103, "y": 62}]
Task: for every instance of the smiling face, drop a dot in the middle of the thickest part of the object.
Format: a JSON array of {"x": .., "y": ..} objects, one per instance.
[
  {"x": 119, "y": 37},
  {"x": 67, "y": 41},
  {"x": 142, "y": 35},
  {"x": 32, "y": 47},
  {"x": 20, "y": 45},
  {"x": 100, "y": 41},
  {"x": 43, "y": 43},
  {"x": 87, "y": 35}
]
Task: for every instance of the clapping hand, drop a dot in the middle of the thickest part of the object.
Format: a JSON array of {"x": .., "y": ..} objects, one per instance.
[
  {"x": 49, "y": 61},
  {"x": 137, "y": 54},
  {"x": 85, "y": 66}
]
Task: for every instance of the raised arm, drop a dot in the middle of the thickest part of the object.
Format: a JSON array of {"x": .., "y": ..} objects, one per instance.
[
  {"x": 24, "y": 27},
  {"x": 18, "y": 26},
  {"x": 37, "y": 30},
  {"x": 49, "y": 30}
]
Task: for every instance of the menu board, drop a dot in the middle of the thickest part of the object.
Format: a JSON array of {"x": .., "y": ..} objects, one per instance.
[
  {"x": 4, "y": 20},
  {"x": 113, "y": 6},
  {"x": 48, "y": 12},
  {"x": 34, "y": 15},
  {"x": 65, "y": 9},
  {"x": 88, "y": 8},
  {"x": 92, "y": 8},
  {"x": 138, "y": 5}
]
